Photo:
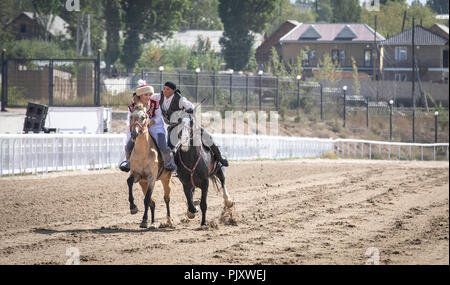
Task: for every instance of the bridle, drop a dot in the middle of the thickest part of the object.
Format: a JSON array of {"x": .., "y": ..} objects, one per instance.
[
  {"x": 190, "y": 170},
  {"x": 142, "y": 127}
]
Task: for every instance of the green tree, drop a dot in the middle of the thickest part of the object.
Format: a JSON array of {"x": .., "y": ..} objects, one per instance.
[
  {"x": 284, "y": 11},
  {"x": 438, "y": 6},
  {"x": 328, "y": 70},
  {"x": 346, "y": 11},
  {"x": 45, "y": 12},
  {"x": 324, "y": 12},
  {"x": 242, "y": 18},
  {"x": 95, "y": 9},
  {"x": 134, "y": 23},
  {"x": 113, "y": 24},
  {"x": 146, "y": 21},
  {"x": 390, "y": 17},
  {"x": 202, "y": 15}
]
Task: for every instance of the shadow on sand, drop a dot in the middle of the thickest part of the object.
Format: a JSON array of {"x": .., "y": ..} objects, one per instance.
[{"x": 102, "y": 230}]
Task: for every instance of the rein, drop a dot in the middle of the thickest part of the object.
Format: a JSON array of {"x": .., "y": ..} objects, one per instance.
[{"x": 191, "y": 171}]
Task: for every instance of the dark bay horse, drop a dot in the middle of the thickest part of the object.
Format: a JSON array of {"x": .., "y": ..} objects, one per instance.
[
  {"x": 195, "y": 166},
  {"x": 146, "y": 167}
]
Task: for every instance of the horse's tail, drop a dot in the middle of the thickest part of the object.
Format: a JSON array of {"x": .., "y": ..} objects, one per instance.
[{"x": 215, "y": 181}]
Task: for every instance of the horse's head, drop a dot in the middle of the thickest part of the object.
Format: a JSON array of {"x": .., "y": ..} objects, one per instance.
[{"x": 138, "y": 121}]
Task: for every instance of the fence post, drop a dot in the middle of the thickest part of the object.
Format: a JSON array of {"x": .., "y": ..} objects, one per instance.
[
  {"x": 97, "y": 83},
  {"x": 260, "y": 89},
  {"x": 345, "y": 103},
  {"x": 321, "y": 101},
  {"x": 436, "y": 114},
  {"x": 50, "y": 83},
  {"x": 196, "y": 85},
  {"x": 277, "y": 95},
  {"x": 246, "y": 92},
  {"x": 231, "y": 89},
  {"x": 367, "y": 112},
  {"x": 214, "y": 89},
  {"x": 4, "y": 82}
]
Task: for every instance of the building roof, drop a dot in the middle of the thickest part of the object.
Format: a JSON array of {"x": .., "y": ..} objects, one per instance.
[
  {"x": 440, "y": 29},
  {"x": 59, "y": 27},
  {"x": 331, "y": 32},
  {"x": 422, "y": 36}
]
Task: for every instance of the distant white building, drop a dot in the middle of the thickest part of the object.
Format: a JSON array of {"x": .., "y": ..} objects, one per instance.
[{"x": 189, "y": 38}]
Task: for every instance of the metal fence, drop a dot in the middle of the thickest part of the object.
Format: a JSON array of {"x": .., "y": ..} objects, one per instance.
[
  {"x": 316, "y": 101},
  {"x": 53, "y": 82},
  {"x": 41, "y": 153}
]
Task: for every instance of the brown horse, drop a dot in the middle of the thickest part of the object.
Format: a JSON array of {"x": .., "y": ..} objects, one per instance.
[{"x": 146, "y": 167}]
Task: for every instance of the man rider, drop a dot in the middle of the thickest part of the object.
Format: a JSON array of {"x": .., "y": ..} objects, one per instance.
[{"x": 170, "y": 101}]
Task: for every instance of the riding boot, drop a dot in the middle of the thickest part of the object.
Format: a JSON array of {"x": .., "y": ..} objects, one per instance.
[
  {"x": 125, "y": 165},
  {"x": 218, "y": 155},
  {"x": 166, "y": 152}
]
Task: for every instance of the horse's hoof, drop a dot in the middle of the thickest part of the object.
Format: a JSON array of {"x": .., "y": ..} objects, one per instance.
[
  {"x": 190, "y": 215},
  {"x": 153, "y": 226},
  {"x": 134, "y": 210},
  {"x": 229, "y": 203},
  {"x": 143, "y": 225}
]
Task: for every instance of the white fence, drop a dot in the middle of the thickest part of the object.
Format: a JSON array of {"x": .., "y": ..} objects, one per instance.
[
  {"x": 388, "y": 150},
  {"x": 40, "y": 153}
]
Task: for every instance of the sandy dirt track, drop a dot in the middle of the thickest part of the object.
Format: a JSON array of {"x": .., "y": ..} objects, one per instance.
[{"x": 286, "y": 212}]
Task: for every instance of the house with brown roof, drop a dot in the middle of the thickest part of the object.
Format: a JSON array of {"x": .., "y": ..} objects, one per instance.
[
  {"x": 264, "y": 50},
  {"x": 28, "y": 26},
  {"x": 341, "y": 41},
  {"x": 431, "y": 56}
]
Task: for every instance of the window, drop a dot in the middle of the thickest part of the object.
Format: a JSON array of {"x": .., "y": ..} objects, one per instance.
[
  {"x": 400, "y": 53},
  {"x": 368, "y": 57},
  {"x": 312, "y": 54},
  {"x": 23, "y": 28},
  {"x": 338, "y": 56},
  {"x": 400, "y": 77}
]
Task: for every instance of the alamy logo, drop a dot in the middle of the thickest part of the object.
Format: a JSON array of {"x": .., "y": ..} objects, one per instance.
[
  {"x": 74, "y": 256},
  {"x": 373, "y": 255},
  {"x": 73, "y": 5}
]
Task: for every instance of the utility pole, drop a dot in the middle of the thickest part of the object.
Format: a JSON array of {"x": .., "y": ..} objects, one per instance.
[
  {"x": 375, "y": 71},
  {"x": 86, "y": 34},
  {"x": 403, "y": 22},
  {"x": 413, "y": 83}
]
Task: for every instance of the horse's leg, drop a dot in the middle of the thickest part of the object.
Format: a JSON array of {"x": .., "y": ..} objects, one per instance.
[
  {"x": 188, "y": 192},
  {"x": 145, "y": 189},
  {"x": 151, "y": 186},
  {"x": 226, "y": 196},
  {"x": 130, "y": 182},
  {"x": 165, "y": 180},
  {"x": 203, "y": 205}
]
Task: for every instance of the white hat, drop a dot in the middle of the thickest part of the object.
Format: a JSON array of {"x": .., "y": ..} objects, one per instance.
[{"x": 144, "y": 89}]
